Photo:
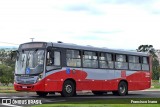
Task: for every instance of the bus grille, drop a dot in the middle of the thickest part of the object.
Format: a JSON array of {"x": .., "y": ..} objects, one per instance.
[{"x": 26, "y": 82}]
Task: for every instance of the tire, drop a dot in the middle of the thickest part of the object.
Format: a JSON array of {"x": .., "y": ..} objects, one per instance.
[
  {"x": 42, "y": 94},
  {"x": 98, "y": 92},
  {"x": 69, "y": 89},
  {"x": 122, "y": 88}
]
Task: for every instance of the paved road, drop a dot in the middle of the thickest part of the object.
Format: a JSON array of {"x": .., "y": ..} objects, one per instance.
[{"x": 80, "y": 96}]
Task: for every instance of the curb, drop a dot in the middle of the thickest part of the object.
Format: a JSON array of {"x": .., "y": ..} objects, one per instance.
[
  {"x": 151, "y": 90},
  {"x": 88, "y": 91}
]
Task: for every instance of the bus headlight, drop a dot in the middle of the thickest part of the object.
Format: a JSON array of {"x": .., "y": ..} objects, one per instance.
[{"x": 39, "y": 77}]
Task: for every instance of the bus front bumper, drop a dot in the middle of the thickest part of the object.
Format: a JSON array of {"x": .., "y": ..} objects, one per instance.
[{"x": 39, "y": 86}]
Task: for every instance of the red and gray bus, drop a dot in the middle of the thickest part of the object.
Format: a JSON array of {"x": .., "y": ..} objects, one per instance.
[{"x": 44, "y": 68}]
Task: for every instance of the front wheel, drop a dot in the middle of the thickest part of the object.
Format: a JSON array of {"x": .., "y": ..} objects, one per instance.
[
  {"x": 69, "y": 89},
  {"x": 42, "y": 94}
]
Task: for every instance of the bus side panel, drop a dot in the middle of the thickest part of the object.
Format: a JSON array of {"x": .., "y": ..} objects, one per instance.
[
  {"x": 139, "y": 81},
  {"x": 53, "y": 85},
  {"x": 87, "y": 84},
  {"x": 54, "y": 81},
  {"x": 100, "y": 80}
]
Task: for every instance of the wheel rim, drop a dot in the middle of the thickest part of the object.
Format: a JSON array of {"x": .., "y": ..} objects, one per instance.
[
  {"x": 68, "y": 88},
  {"x": 122, "y": 89}
]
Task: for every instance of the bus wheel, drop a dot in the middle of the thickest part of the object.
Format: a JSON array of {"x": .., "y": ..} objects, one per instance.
[
  {"x": 69, "y": 89},
  {"x": 42, "y": 94},
  {"x": 122, "y": 88},
  {"x": 98, "y": 92}
]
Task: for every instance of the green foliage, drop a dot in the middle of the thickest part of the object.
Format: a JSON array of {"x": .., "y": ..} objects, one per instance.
[
  {"x": 155, "y": 62},
  {"x": 149, "y": 49},
  {"x": 6, "y": 67},
  {"x": 6, "y": 74},
  {"x": 155, "y": 84},
  {"x": 5, "y": 58}
]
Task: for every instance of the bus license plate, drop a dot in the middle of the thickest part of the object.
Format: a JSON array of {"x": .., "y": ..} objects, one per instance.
[{"x": 24, "y": 86}]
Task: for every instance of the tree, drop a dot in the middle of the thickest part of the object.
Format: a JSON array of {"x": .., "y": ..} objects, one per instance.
[
  {"x": 7, "y": 66},
  {"x": 5, "y": 58},
  {"x": 155, "y": 62},
  {"x": 6, "y": 74}
]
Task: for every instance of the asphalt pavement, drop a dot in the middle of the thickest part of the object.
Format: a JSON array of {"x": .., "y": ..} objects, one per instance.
[{"x": 24, "y": 97}]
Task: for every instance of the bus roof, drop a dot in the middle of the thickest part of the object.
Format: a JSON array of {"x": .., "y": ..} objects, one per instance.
[{"x": 91, "y": 48}]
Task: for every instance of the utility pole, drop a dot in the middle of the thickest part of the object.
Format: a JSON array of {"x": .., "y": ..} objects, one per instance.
[{"x": 32, "y": 39}]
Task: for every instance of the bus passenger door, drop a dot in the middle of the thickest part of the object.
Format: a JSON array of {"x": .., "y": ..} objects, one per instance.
[{"x": 53, "y": 66}]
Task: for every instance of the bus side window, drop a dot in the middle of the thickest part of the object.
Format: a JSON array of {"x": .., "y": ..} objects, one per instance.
[
  {"x": 57, "y": 58},
  {"x": 134, "y": 62},
  {"x": 73, "y": 58},
  {"x": 53, "y": 60},
  {"x": 121, "y": 62},
  {"x": 145, "y": 63},
  {"x": 106, "y": 60},
  {"x": 90, "y": 59}
]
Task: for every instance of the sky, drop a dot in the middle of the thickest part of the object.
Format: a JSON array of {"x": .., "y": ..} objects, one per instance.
[{"x": 115, "y": 24}]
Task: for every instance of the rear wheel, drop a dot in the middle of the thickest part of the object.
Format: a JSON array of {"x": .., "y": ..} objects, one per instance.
[
  {"x": 69, "y": 89},
  {"x": 122, "y": 89},
  {"x": 42, "y": 94}
]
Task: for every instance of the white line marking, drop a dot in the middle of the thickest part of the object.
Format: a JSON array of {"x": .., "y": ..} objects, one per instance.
[
  {"x": 11, "y": 105},
  {"x": 14, "y": 97}
]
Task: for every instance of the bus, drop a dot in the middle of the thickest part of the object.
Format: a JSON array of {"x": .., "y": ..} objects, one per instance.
[{"x": 47, "y": 67}]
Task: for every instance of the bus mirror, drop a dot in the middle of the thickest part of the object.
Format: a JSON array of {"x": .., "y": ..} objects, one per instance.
[
  {"x": 14, "y": 55},
  {"x": 52, "y": 54}
]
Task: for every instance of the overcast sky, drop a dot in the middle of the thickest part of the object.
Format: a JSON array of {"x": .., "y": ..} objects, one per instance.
[{"x": 118, "y": 24}]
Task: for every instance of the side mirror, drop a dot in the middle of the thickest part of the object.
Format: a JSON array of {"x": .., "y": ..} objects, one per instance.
[
  {"x": 51, "y": 52},
  {"x": 14, "y": 54}
]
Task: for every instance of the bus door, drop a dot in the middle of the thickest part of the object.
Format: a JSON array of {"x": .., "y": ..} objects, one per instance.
[{"x": 53, "y": 66}]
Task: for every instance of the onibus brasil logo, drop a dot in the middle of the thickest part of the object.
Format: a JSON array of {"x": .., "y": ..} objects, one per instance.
[{"x": 20, "y": 102}]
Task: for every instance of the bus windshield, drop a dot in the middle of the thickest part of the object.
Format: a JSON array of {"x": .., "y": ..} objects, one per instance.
[{"x": 30, "y": 62}]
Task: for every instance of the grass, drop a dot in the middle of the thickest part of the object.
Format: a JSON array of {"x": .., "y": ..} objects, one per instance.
[
  {"x": 7, "y": 89},
  {"x": 126, "y": 102},
  {"x": 155, "y": 84},
  {"x": 97, "y": 105}
]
